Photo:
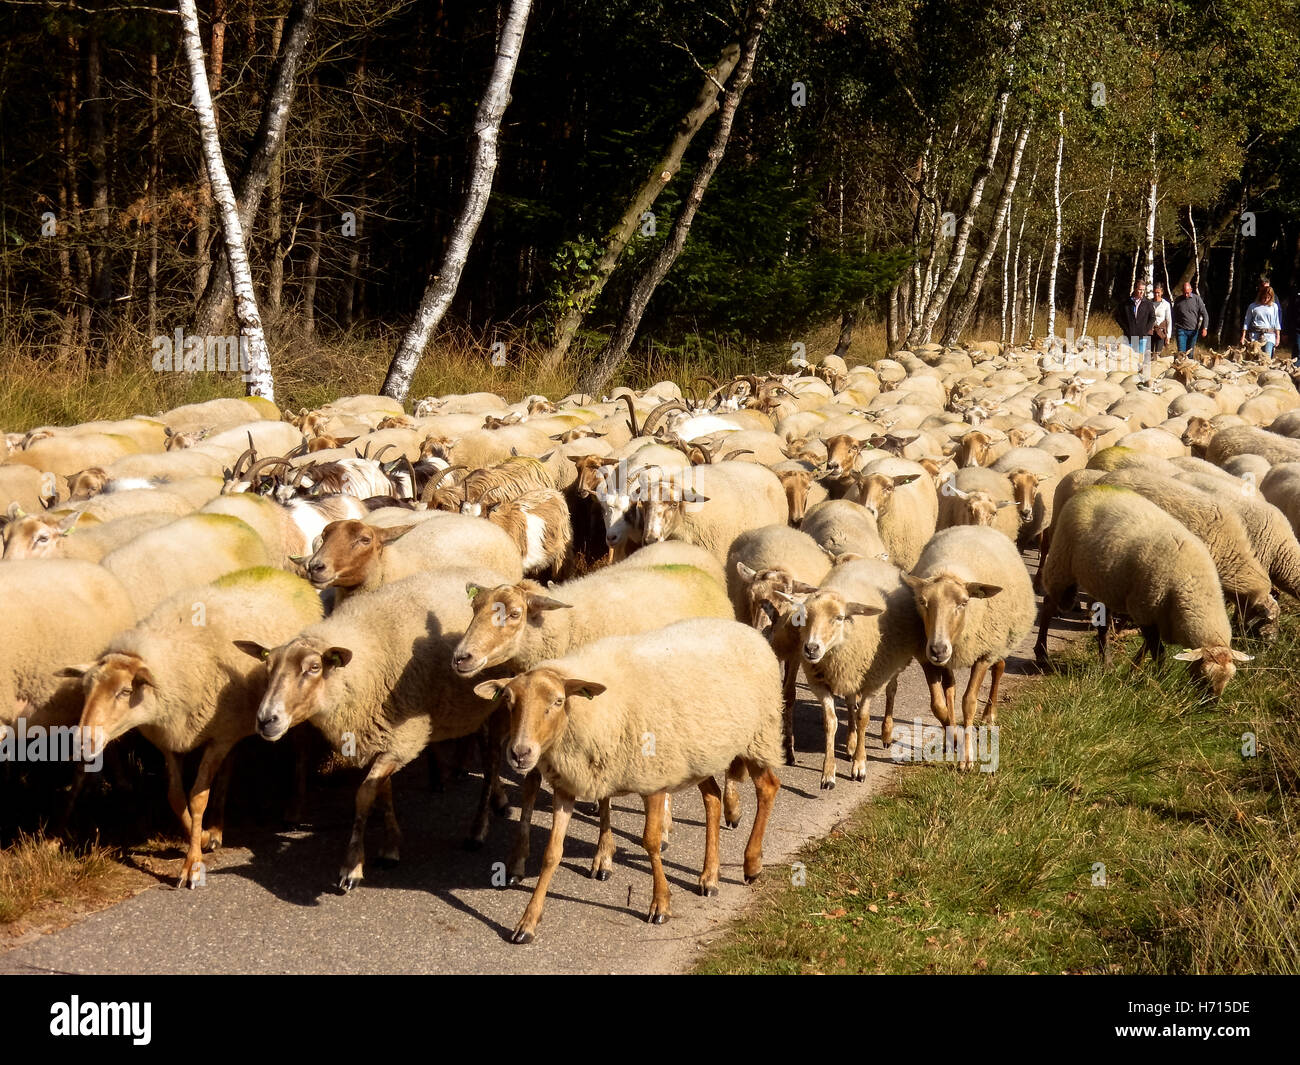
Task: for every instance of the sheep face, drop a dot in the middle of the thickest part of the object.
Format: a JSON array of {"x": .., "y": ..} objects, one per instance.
[
  {"x": 87, "y": 483},
  {"x": 876, "y": 490},
  {"x": 297, "y": 688},
  {"x": 501, "y": 619},
  {"x": 841, "y": 453},
  {"x": 33, "y": 537},
  {"x": 1213, "y": 666},
  {"x": 591, "y": 479},
  {"x": 1024, "y": 488},
  {"x": 349, "y": 553},
  {"x": 1259, "y": 615},
  {"x": 941, "y": 601},
  {"x": 825, "y": 617},
  {"x": 973, "y": 450},
  {"x": 1197, "y": 435},
  {"x": 982, "y": 508},
  {"x": 796, "y": 484},
  {"x": 539, "y": 709},
  {"x": 119, "y": 696},
  {"x": 767, "y": 592}
]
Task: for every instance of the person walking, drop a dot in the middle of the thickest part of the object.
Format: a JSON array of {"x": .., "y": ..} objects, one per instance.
[
  {"x": 1136, "y": 317},
  {"x": 1164, "y": 317},
  {"x": 1263, "y": 321},
  {"x": 1191, "y": 318}
]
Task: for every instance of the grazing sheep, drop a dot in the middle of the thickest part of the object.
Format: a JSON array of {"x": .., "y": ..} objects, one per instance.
[
  {"x": 193, "y": 550},
  {"x": 66, "y": 454},
  {"x": 179, "y": 678},
  {"x": 1152, "y": 570},
  {"x": 859, "y": 631},
  {"x": 55, "y": 611},
  {"x": 375, "y": 679},
  {"x": 974, "y": 596},
  {"x": 699, "y": 695},
  {"x": 761, "y": 551},
  {"x": 356, "y": 557}
]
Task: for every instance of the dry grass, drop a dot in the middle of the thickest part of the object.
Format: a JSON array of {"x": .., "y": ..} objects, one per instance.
[{"x": 36, "y": 871}]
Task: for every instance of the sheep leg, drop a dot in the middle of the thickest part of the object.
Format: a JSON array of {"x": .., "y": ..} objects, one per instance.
[
  {"x": 1046, "y": 615},
  {"x": 527, "y": 927},
  {"x": 887, "y": 725},
  {"x": 655, "y": 807},
  {"x": 176, "y": 790},
  {"x": 712, "y": 823},
  {"x": 731, "y": 793},
  {"x": 858, "y": 738},
  {"x": 392, "y": 850},
  {"x": 492, "y": 744},
  {"x": 788, "y": 683},
  {"x": 970, "y": 711},
  {"x": 519, "y": 851},
  {"x": 936, "y": 677},
  {"x": 851, "y": 703},
  {"x": 350, "y": 875},
  {"x": 830, "y": 722},
  {"x": 215, "y": 832},
  {"x": 603, "y": 864},
  {"x": 1103, "y": 644},
  {"x": 213, "y": 756},
  {"x": 668, "y": 821},
  {"x": 766, "y": 785},
  {"x": 991, "y": 710}
]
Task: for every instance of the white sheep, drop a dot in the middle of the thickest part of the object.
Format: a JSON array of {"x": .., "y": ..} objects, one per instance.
[
  {"x": 755, "y": 554},
  {"x": 841, "y": 526},
  {"x": 648, "y": 715},
  {"x": 902, "y": 495}
]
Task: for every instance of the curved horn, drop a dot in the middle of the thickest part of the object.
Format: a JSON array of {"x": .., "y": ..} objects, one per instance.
[
  {"x": 237, "y": 470},
  {"x": 739, "y": 451},
  {"x": 261, "y": 464},
  {"x": 655, "y": 416},
  {"x": 631, "y": 415},
  {"x": 380, "y": 453}
]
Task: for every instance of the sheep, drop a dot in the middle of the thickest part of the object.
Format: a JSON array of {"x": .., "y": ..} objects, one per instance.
[
  {"x": 356, "y": 557},
  {"x": 756, "y": 555},
  {"x": 676, "y": 553},
  {"x": 503, "y": 482},
  {"x": 375, "y": 679},
  {"x": 31, "y": 489},
  {"x": 902, "y": 496},
  {"x": 856, "y": 635},
  {"x": 113, "y": 505},
  {"x": 975, "y": 598},
  {"x": 539, "y": 524},
  {"x": 712, "y": 505},
  {"x": 192, "y": 550},
  {"x": 841, "y": 526},
  {"x": 1243, "y": 578},
  {"x": 48, "y": 536},
  {"x": 516, "y": 626},
  {"x": 66, "y": 454},
  {"x": 179, "y": 678},
  {"x": 284, "y": 538},
  {"x": 1271, "y": 536},
  {"x": 218, "y": 414},
  {"x": 55, "y": 611},
  {"x": 706, "y": 693},
  {"x": 1281, "y": 487},
  {"x": 978, "y": 496},
  {"x": 1151, "y": 569},
  {"x": 1247, "y": 439}
]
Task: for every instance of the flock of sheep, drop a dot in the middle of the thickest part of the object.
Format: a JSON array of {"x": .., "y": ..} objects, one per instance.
[{"x": 617, "y": 595}]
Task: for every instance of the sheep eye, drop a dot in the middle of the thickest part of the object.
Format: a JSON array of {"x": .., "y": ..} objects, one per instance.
[
  {"x": 516, "y": 613},
  {"x": 841, "y": 618},
  {"x": 365, "y": 541},
  {"x": 314, "y": 668},
  {"x": 125, "y": 693}
]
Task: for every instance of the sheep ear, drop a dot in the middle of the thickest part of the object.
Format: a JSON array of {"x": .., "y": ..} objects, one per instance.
[
  {"x": 588, "y": 689},
  {"x": 914, "y": 582},
  {"x": 256, "y": 650},
  {"x": 472, "y": 590},
  {"x": 490, "y": 689},
  {"x": 75, "y": 671},
  {"x": 746, "y": 574},
  {"x": 863, "y": 610},
  {"x": 387, "y": 536},
  {"x": 68, "y": 525},
  {"x": 1062, "y": 458},
  {"x": 1241, "y": 656},
  {"x": 1006, "y": 503},
  {"x": 14, "y": 512},
  {"x": 976, "y": 590},
  {"x": 1194, "y": 655},
  {"x": 800, "y": 588},
  {"x": 538, "y": 603},
  {"x": 144, "y": 677},
  {"x": 905, "y": 479},
  {"x": 337, "y": 657}
]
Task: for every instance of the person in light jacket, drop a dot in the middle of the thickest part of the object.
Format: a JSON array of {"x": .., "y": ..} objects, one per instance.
[
  {"x": 1263, "y": 320},
  {"x": 1190, "y": 318},
  {"x": 1162, "y": 328}
]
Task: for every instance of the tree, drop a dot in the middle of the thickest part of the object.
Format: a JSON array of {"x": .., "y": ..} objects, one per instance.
[
  {"x": 442, "y": 286},
  {"x": 260, "y": 381}
]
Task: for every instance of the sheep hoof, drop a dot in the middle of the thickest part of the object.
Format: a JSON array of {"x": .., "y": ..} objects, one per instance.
[
  {"x": 515, "y": 880},
  {"x": 473, "y": 843},
  {"x": 348, "y": 881},
  {"x": 708, "y": 890},
  {"x": 789, "y": 758},
  {"x": 733, "y": 824},
  {"x": 859, "y": 772},
  {"x": 521, "y": 936},
  {"x": 657, "y": 918},
  {"x": 750, "y": 879},
  {"x": 828, "y": 785},
  {"x": 600, "y": 874}
]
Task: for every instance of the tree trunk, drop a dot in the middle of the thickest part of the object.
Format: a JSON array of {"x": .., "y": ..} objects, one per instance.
[
  {"x": 442, "y": 286},
  {"x": 616, "y": 348},
  {"x": 1056, "y": 233},
  {"x": 1152, "y": 190},
  {"x": 1101, "y": 240},
  {"x": 1000, "y": 215},
  {"x": 1076, "y": 307},
  {"x": 1232, "y": 282},
  {"x": 939, "y": 297},
  {"x": 151, "y": 270},
  {"x": 258, "y": 376},
  {"x": 313, "y": 268},
  {"x": 1196, "y": 253},
  {"x": 1006, "y": 319},
  {"x": 275, "y": 225},
  {"x": 101, "y": 281},
  {"x": 203, "y": 226},
  {"x": 1020, "y": 241},
  {"x": 267, "y": 143},
  {"x": 617, "y": 239}
]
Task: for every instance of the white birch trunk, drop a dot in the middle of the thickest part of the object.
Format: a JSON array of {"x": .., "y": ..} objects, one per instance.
[
  {"x": 441, "y": 288},
  {"x": 259, "y": 379},
  {"x": 1196, "y": 251},
  {"x": 1151, "y": 216},
  {"x": 1006, "y": 256},
  {"x": 1056, "y": 237}
]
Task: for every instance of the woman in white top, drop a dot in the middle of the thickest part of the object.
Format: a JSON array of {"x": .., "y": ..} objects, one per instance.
[
  {"x": 1164, "y": 321},
  {"x": 1263, "y": 320}
]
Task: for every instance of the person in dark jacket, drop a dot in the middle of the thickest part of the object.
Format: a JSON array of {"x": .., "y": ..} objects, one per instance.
[
  {"x": 1190, "y": 318},
  {"x": 1137, "y": 318}
]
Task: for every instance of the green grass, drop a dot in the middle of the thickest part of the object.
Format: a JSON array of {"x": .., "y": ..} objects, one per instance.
[{"x": 960, "y": 873}]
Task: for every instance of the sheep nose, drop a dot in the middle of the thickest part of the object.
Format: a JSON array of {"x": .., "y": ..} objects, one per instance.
[
  {"x": 940, "y": 652},
  {"x": 812, "y": 650},
  {"x": 522, "y": 754}
]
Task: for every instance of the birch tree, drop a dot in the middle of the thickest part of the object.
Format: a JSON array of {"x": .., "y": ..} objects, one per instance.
[
  {"x": 259, "y": 379},
  {"x": 1056, "y": 233},
  {"x": 442, "y": 286}
]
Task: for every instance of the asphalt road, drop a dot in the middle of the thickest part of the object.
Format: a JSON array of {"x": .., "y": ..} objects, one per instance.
[{"x": 270, "y": 906}]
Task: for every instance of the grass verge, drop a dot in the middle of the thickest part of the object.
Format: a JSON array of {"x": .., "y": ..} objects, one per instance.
[
  {"x": 38, "y": 874},
  {"x": 1124, "y": 831}
]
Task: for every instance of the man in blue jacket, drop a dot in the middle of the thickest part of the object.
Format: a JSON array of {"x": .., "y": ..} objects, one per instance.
[{"x": 1190, "y": 318}]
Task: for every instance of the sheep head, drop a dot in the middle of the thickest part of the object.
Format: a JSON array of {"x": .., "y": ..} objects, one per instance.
[
  {"x": 941, "y": 601},
  {"x": 767, "y": 591},
  {"x": 539, "y": 710},
  {"x": 796, "y": 484},
  {"x": 1024, "y": 489},
  {"x": 1213, "y": 666},
  {"x": 32, "y": 536},
  {"x": 501, "y": 619},
  {"x": 298, "y": 674},
  {"x": 349, "y": 553},
  {"x": 841, "y": 453},
  {"x": 825, "y": 616},
  {"x": 1198, "y": 434},
  {"x": 876, "y": 490},
  {"x": 119, "y": 694},
  {"x": 86, "y": 483}
]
